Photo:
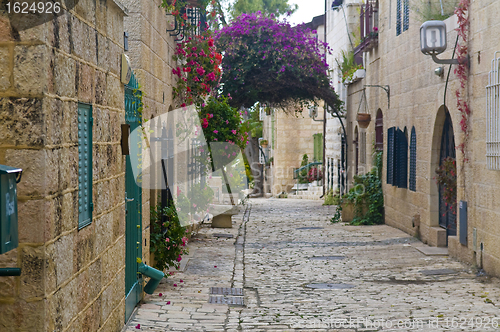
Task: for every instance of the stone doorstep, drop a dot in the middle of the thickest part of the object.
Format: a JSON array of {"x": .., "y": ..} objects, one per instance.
[{"x": 432, "y": 251}]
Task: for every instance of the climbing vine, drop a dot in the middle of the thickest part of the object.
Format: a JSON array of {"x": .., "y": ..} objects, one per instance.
[{"x": 462, "y": 69}]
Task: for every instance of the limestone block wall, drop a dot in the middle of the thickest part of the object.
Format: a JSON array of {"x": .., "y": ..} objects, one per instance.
[
  {"x": 293, "y": 138},
  {"x": 417, "y": 99},
  {"x": 150, "y": 51},
  {"x": 72, "y": 280}
]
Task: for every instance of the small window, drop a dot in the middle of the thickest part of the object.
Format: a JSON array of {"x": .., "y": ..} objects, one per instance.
[
  {"x": 85, "y": 206},
  {"x": 413, "y": 160}
]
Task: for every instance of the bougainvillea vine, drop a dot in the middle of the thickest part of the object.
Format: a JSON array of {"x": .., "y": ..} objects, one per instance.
[
  {"x": 271, "y": 62},
  {"x": 462, "y": 69}
]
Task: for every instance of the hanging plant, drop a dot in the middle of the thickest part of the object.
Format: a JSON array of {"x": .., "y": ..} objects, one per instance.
[
  {"x": 446, "y": 178},
  {"x": 199, "y": 72}
]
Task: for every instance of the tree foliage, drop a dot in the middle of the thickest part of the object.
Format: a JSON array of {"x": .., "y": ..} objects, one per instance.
[{"x": 273, "y": 63}]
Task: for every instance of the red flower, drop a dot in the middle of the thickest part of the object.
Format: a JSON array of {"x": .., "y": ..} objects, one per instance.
[
  {"x": 187, "y": 69},
  {"x": 211, "y": 77},
  {"x": 205, "y": 123},
  {"x": 210, "y": 42}
]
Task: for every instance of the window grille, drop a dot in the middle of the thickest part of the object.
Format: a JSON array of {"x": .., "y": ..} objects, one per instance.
[
  {"x": 493, "y": 115},
  {"x": 402, "y": 16},
  {"x": 413, "y": 160}
]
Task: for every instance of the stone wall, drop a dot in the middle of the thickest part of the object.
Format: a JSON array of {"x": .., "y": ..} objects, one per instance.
[
  {"x": 293, "y": 139},
  {"x": 72, "y": 280},
  {"x": 150, "y": 50},
  {"x": 417, "y": 99}
]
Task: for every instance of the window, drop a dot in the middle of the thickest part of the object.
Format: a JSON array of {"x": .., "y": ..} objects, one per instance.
[
  {"x": 493, "y": 116},
  {"x": 402, "y": 16},
  {"x": 397, "y": 158},
  {"x": 85, "y": 206},
  {"x": 413, "y": 160},
  {"x": 362, "y": 147},
  {"x": 379, "y": 131}
]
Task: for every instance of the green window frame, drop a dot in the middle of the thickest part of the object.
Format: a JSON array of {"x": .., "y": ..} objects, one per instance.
[{"x": 85, "y": 205}]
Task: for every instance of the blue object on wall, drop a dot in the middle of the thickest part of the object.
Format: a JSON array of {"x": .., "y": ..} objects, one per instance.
[{"x": 9, "y": 177}]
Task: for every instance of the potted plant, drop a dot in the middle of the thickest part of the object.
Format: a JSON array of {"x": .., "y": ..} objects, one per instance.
[
  {"x": 364, "y": 119},
  {"x": 264, "y": 143}
]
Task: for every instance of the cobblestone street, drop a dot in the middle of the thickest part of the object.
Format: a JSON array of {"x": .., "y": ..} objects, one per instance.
[{"x": 376, "y": 279}]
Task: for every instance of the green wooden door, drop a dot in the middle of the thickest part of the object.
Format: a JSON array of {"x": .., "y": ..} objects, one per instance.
[{"x": 133, "y": 200}]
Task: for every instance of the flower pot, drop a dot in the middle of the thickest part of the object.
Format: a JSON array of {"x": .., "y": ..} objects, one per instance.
[{"x": 364, "y": 119}]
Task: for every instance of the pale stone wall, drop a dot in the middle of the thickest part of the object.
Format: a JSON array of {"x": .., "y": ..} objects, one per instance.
[
  {"x": 337, "y": 26},
  {"x": 416, "y": 99},
  {"x": 293, "y": 138},
  {"x": 72, "y": 280},
  {"x": 150, "y": 50}
]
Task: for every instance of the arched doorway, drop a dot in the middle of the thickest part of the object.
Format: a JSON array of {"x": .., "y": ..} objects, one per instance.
[
  {"x": 447, "y": 214},
  {"x": 443, "y": 146}
]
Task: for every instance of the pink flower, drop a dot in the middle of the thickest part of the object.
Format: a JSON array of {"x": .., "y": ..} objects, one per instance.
[
  {"x": 181, "y": 280},
  {"x": 200, "y": 71},
  {"x": 171, "y": 273},
  {"x": 216, "y": 131},
  {"x": 227, "y": 121},
  {"x": 179, "y": 258},
  {"x": 194, "y": 205},
  {"x": 168, "y": 302},
  {"x": 160, "y": 295},
  {"x": 167, "y": 240},
  {"x": 210, "y": 77},
  {"x": 175, "y": 285},
  {"x": 138, "y": 326},
  {"x": 211, "y": 115},
  {"x": 233, "y": 131},
  {"x": 205, "y": 123}
]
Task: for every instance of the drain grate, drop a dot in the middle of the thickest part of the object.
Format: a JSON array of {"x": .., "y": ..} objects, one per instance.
[
  {"x": 438, "y": 272},
  {"x": 330, "y": 286},
  {"x": 229, "y": 236},
  {"x": 230, "y": 300},
  {"x": 326, "y": 258},
  {"x": 310, "y": 228},
  {"x": 226, "y": 291}
]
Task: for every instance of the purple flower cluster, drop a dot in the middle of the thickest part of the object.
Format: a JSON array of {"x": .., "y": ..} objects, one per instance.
[{"x": 271, "y": 61}]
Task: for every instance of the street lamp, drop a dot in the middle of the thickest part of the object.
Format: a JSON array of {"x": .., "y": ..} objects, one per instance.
[{"x": 433, "y": 42}]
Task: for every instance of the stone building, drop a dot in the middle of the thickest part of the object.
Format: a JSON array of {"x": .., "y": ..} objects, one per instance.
[
  {"x": 62, "y": 107},
  {"x": 416, "y": 121}
]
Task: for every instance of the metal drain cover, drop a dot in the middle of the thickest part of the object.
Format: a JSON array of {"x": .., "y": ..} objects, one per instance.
[
  {"x": 326, "y": 258},
  {"x": 230, "y": 300},
  {"x": 229, "y": 236},
  {"x": 438, "y": 272},
  {"x": 330, "y": 286},
  {"x": 226, "y": 291},
  {"x": 310, "y": 228}
]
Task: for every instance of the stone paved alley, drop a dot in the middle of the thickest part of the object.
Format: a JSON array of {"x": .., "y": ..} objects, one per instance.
[{"x": 271, "y": 258}]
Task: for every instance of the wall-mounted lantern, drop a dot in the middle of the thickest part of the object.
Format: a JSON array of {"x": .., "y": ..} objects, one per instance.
[{"x": 433, "y": 42}]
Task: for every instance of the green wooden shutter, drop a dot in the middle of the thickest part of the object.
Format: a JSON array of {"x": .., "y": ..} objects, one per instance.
[
  {"x": 318, "y": 147},
  {"x": 85, "y": 206},
  {"x": 402, "y": 159}
]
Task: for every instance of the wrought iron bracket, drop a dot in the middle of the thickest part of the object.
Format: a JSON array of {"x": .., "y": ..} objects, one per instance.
[
  {"x": 387, "y": 90},
  {"x": 465, "y": 60}
]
